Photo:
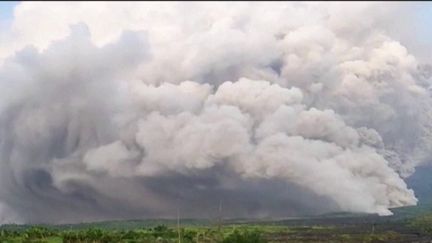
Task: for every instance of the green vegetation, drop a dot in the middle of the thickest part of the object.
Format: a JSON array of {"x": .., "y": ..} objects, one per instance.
[
  {"x": 243, "y": 233},
  {"x": 409, "y": 225},
  {"x": 244, "y": 237},
  {"x": 422, "y": 223},
  {"x": 160, "y": 233}
]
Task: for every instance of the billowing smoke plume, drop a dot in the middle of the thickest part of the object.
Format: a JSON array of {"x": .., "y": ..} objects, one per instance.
[{"x": 132, "y": 110}]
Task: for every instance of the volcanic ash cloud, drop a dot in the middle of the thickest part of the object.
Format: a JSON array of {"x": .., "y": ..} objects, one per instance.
[{"x": 273, "y": 116}]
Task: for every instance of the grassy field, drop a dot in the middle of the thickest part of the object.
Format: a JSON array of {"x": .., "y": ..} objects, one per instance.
[{"x": 412, "y": 224}]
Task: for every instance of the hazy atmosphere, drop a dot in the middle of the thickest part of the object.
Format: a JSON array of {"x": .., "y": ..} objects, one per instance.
[{"x": 127, "y": 110}]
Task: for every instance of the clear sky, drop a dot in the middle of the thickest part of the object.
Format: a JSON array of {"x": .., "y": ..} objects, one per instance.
[
  {"x": 425, "y": 18},
  {"x": 6, "y": 9}
]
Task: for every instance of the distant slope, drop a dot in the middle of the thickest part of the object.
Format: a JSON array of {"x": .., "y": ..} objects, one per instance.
[
  {"x": 421, "y": 183},
  {"x": 118, "y": 224}
]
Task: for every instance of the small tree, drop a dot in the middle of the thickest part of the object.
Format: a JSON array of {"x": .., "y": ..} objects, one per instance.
[{"x": 244, "y": 237}]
